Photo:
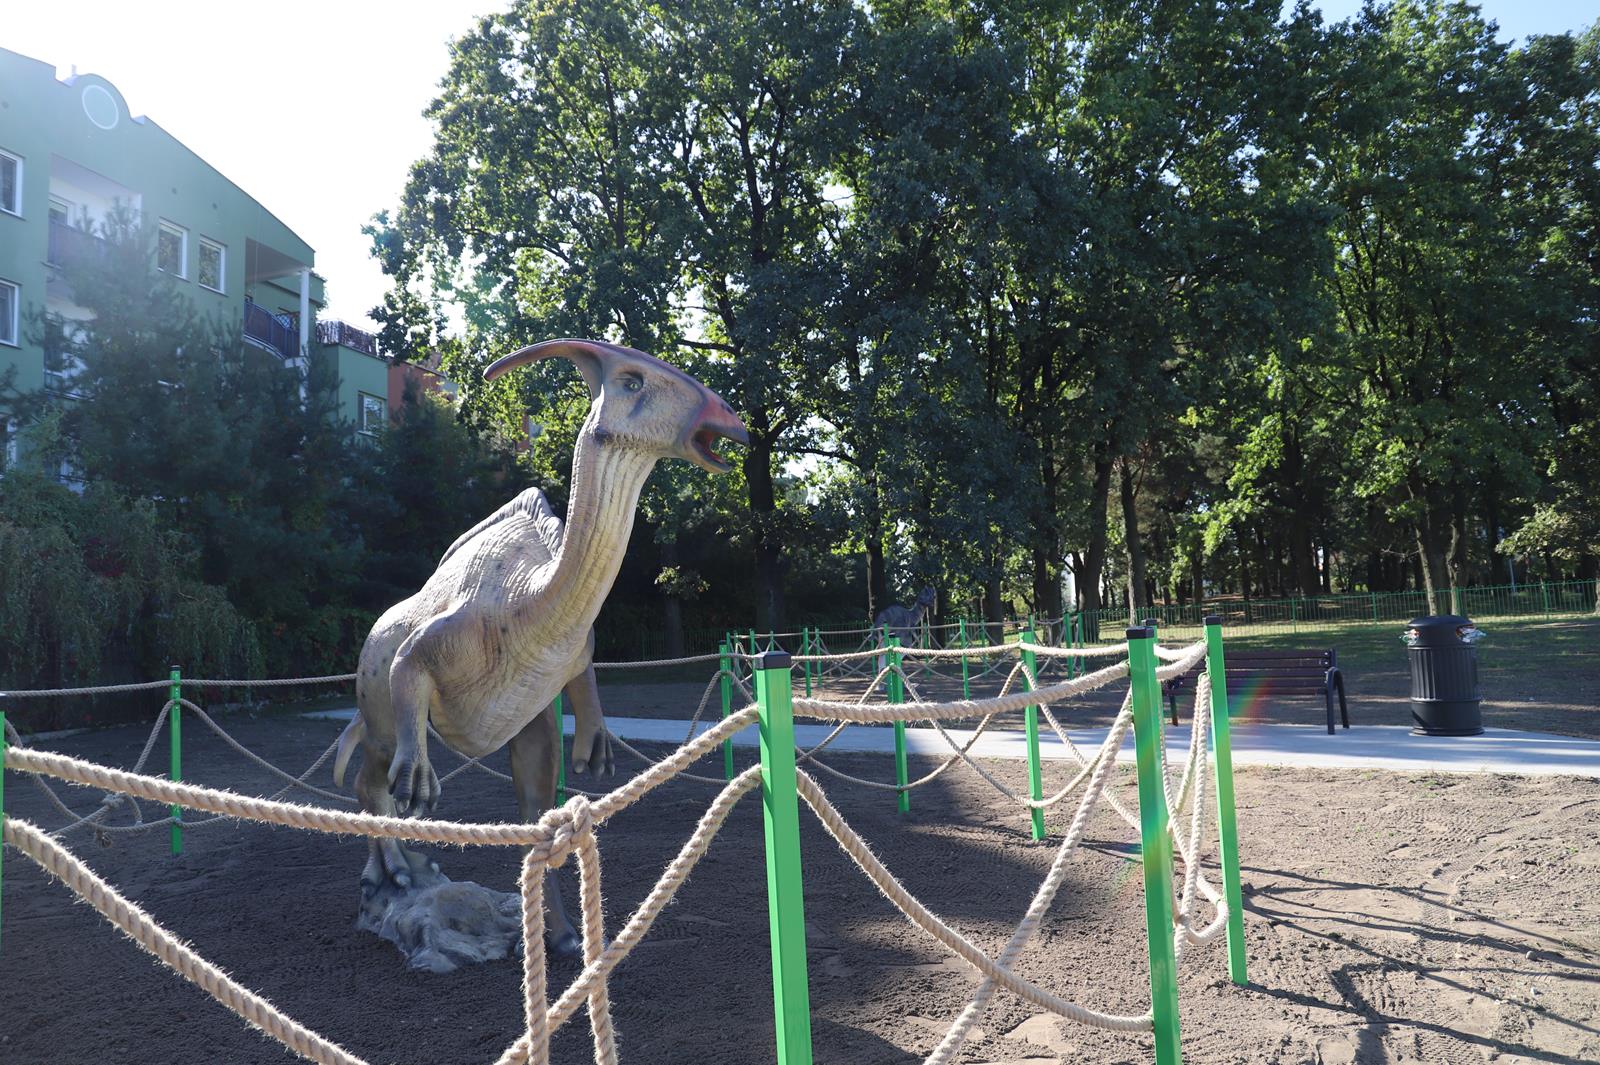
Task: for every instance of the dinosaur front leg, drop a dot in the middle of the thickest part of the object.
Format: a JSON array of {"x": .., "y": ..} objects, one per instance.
[
  {"x": 591, "y": 743},
  {"x": 535, "y": 756},
  {"x": 411, "y": 779}
]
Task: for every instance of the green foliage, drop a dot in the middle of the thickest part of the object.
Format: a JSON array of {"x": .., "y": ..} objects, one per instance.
[
  {"x": 96, "y": 580},
  {"x": 1213, "y": 293}
]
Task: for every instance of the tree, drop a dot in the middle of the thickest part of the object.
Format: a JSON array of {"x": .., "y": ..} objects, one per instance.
[{"x": 216, "y": 438}]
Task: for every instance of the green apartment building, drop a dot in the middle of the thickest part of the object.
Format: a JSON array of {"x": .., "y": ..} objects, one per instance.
[{"x": 69, "y": 153}]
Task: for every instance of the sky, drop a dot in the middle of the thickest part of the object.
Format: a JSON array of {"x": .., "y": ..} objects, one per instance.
[
  {"x": 341, "y": 85},
  {"x": 314, "y": 109}
]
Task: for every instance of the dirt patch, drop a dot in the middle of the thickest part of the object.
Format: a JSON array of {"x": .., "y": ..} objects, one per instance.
[{"x": 1390, "y": 919}]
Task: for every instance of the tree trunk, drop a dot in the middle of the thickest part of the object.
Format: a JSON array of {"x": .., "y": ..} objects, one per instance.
[
  {"x": 1138, "y": 595},
  {"x": 1428, "y": 529},
  {"x": 768, "y": 545},
  {"x": 993, "y": 609},
  {"x": 672, "y": 606},
  {"x": 877, "y": 579},
  {"x": 1094, "y": 559},
  {"x": 1456, "y": 559}
]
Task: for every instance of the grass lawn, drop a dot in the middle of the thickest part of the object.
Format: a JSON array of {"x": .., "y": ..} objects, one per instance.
[{"x": 1534, "y": 673}]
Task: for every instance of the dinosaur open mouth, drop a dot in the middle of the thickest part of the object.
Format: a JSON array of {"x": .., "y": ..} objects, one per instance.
[{"x": 702, "y": 440}]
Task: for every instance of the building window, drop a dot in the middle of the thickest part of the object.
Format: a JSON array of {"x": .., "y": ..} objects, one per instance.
[
  {"x": 211, "y": 264},
  {"x": 10, "y": 312},
  {"x": 373, "y": 409},
  {"x": 10, "y": 183},
  {"x": 172, "y": 250},
  {"x": 60, "y": 211}
]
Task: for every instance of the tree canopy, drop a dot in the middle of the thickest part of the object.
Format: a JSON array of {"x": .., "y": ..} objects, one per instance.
[{"x": 1173, "y": 299}]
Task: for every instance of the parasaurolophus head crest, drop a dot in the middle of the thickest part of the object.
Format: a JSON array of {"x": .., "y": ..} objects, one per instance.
[{"x": 642, "y": 402}]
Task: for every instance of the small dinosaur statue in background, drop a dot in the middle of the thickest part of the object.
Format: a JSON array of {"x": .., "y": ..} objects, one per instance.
[
  {"x": 904, "y": 621},
  {"x": 504, "y": 624}
]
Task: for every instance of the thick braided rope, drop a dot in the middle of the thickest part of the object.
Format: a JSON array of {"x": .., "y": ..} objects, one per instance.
[
  {"x": 1045, "y": 803},
  {"x": 594, "y": 938},
  {"x": 961, "y": 1028},
  {"x": 270, "y": 682},
  {"x": 644, "y": 918},
  {"x": 290, "y": 780},
  {"x": 1193, "y": 767},
  {"x": 535, "y": 973},
  {"x": 110, "y": 800},
  {"x": 961, "y": 753},
  {"x": 103, "y": 689},
  {"x": 861, "y": 853},
  {"x": 170, "y": 951},
  {"x": 655, "y": 662},
  {"x": 544, "y": 836},
  {"x": 647, "y": 760},
  {"x": 810, "y": 756},
  {"x": 959, "y": 708}
]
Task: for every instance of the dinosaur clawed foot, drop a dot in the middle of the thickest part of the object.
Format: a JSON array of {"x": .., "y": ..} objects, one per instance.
[
  {"x": 594, "y": 753},
  {"x": 413, "y": 783},
  {"x": 563, "y": 945},
  {"x": 392, "y": 868}
]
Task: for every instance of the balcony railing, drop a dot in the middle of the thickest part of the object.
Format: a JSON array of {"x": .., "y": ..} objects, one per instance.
[
  {"x": 334, "y": 331},
  {"x": 276, "y": 332},
  {"x": 70, "y": 246}
]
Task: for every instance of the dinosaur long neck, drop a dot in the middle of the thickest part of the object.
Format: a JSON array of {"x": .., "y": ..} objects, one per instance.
[{"x": 606, "y": 482}]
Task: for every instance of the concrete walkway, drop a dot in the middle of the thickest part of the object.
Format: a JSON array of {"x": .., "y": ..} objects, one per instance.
[{"x": 1389, "y": 747}]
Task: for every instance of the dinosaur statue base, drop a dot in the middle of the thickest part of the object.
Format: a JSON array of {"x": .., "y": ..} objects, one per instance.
[{"x": 441, "y": 925}]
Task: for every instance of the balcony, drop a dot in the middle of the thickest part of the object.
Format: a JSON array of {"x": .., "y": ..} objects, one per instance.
[
  {"x": 343, "y": 333},
  {"x": 70, "y": 246},
  {"x": 278, "y": 333}
]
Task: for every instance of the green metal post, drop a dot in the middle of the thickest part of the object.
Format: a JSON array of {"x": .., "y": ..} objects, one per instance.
[
  {"x": 1222, "y": 755},
  {"x": 897, "y": 695},
  {"x": 1544, "y": 591},
  {"x": 805, "y": 642},
  {"x": 1374, "y": 597},
  {"x": 561, "y": 749},
  {"x": 1294, "y": 614},
  {"x": 966, "y": 682},
  {"x": 727, "y": 705},
  {"x": 175, "y": 755},
  {"x": 1030, "y": 720},
  {"x": 786, "y": 915},
  {"x": 1155, "y": 844}
]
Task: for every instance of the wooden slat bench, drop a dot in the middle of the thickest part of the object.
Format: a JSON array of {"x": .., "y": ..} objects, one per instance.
[{"x": 1311, "y": 672}]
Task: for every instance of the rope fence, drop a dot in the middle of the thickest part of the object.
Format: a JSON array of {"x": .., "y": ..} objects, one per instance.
[{"x": 1172, "y": 823}]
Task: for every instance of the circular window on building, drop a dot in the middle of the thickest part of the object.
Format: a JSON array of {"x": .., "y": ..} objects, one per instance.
[{"x": 101, "y": 106}]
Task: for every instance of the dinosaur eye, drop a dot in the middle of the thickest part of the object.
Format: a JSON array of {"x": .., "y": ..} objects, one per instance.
[{"x": 633, "y": 382}]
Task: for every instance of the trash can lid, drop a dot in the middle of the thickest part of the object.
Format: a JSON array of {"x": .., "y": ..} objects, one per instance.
[{"x": 1439, "y": 621}]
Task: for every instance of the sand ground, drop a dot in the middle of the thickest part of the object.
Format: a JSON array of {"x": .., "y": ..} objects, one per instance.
[{"x": 1389, "y": 918}]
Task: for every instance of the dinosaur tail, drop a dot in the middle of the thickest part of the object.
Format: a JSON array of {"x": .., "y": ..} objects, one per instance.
[{"x": 348, "y": 739}]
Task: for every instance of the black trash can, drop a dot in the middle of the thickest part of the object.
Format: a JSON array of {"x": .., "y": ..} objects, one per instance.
[{"x": 1444, "y": 676}]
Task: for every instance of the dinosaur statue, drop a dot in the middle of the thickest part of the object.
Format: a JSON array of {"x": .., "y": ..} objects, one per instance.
[
  {"x": 903, "y": 621},
  {"x": 505, "y": 623}
]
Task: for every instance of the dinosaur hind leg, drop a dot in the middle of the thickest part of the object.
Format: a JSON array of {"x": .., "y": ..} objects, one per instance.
[
  {"x": 387, "y": 861},
  {"x": 535, "y": 757}
]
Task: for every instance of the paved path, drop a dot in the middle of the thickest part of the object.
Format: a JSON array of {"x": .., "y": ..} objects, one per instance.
[{"x": 1390, "y": 747}]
